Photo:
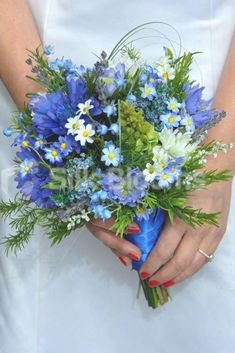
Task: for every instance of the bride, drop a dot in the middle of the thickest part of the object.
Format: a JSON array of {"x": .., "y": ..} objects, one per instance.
[{"x": 76, "y": 297}]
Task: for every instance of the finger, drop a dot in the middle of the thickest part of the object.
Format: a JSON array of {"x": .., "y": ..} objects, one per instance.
[
  {"x": 132, "y": 228},
  {"x": 181, "y": 260},
  {"x": 111, "y": 240},
  {"x": 123, "y": 259},
  {"x": 209, "y": 246},
  {"x": 163, "y": 251}
]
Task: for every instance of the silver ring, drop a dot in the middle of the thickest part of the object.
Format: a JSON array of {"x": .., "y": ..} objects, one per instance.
[{"x": 209, "y": 257}]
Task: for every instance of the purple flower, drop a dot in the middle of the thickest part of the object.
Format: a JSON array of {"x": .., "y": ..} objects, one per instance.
[
  {"x": 112, "y": 79},
  {"x": 128, "y": 189},
  {"x": 31, "y": 183},
  {"x": 196, "y": 106}
]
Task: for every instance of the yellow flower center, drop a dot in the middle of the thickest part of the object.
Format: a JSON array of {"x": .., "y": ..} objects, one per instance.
[
  {"x": 151, "y": 80},
  {"x": 151, "y": 170},
  {"x": 189, "y": 122},
  {"x": 75, "y": 126},
  {"x": 25, "y": 143},
  {"x": 171, "y": 120},
  {"x": 173, "y": 106},
  {"x": 162, "y": 165},
  {"x": 26, "y": 169},
  {"x": 85, "y": 133},
  {"x": 111, "y": 155},
  {"x": 41, "y": 143},
  {"x": 147, "y": 90},
  {"x": 63, "y": 146},
  {"x": 165, "y": 75},
  {"x": 165, "y": 176},
  {"x": 173, "y": 170},
  {"x": 54, "y": 153}
]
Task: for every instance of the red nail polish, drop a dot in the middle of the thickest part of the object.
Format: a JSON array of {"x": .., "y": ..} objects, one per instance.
[
  {"x": 144, "y": 275},
  {"x": 168, "y": 284},
  {"x": 123, "y": 261},
  {"x": 153, "y": 283},
  {"x": 133, "y": 256},
  {"x": 133, "y": 230}
]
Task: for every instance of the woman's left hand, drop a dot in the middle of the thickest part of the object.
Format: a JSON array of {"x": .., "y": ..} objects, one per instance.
[{"x": 175, "y": 257}]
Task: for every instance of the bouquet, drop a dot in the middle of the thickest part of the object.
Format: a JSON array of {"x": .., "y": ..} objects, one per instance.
[{"x": 121, "y": 139}]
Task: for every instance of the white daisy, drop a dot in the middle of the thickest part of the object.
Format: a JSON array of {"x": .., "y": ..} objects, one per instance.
[
  {"x": 74, "y": 124},
  {"x": 84, "y": 134},
  {"x": 83, "y": 109},
  {"x": 166, "y": 72},
  {"x": 150, "y": 172}
]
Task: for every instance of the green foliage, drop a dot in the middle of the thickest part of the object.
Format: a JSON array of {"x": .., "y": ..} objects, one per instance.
[
  {"x": 124, "y": 215},
  {"x": 46, "y": 77},
  {"x": 182, "y": 66},
  {"x": 23, "y": 218}
]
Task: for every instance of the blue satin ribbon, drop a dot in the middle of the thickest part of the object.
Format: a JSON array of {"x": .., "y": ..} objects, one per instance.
[{"x": 147, "y": 238}]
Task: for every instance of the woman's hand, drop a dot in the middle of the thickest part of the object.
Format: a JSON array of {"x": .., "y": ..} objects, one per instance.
[
  {"x": 124, "y": 249},
  {"x": 175, "y": 257}
]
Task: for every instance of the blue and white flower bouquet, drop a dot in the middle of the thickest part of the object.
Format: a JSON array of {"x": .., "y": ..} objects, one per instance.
[{"x": 114, "y": 140}]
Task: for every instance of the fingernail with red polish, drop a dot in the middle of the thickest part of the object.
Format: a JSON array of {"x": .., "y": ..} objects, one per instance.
[
  {"x": 123, "y": 261},
  {"x": 133, "y": 230},
  {"x": 134, "y": 256},
  {"x": 168, "y": 284},
  {"x": 144, "y": 275},
  {"x": 153, "y": 283}
]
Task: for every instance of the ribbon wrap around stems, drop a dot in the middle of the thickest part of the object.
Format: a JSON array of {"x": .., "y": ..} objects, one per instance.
[{"x": 147, "y": 238}]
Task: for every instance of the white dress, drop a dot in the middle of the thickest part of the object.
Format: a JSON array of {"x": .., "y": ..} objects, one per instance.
[{"x": 77, "y": 297}]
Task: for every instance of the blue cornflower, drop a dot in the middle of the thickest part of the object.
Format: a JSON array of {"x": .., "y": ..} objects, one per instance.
[
  {"x": 7, "y": 132},
  {"x": 53, "y": 154},
  {"x": 111, "y": 155},
  {"x": 52, "y": 110},
  {"x": 110, "y": 110},
  {"x": 174, "y": 170},
  {"x": 49, "y": 49},
  {"x": 64, "y": 145},
  {"x": 102, "y": 129},
  {"x": 170, "y": 120},
  {"x": 165, "y": 178},
  {"x": 173, "y": 105},
  {"x": 114, "y": 129},
  {"x": 148, "y": 91},
  {"x": 187, "y": 121},
  {"x": 127, "y": 189},
  {"x": 40, "y": 142},
  {"x": 26, "y": 167},
  {"x": 23, "y": 140}
]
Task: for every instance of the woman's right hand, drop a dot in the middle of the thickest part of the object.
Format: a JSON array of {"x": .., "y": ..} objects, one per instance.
[{"x": 123, "y": 249}]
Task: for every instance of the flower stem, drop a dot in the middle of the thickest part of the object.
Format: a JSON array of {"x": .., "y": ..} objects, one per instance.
[{"x": 155, "y": 296}]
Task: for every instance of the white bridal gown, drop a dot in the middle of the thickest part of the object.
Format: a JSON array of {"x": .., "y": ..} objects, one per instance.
[{"x": 77, "y": 297}]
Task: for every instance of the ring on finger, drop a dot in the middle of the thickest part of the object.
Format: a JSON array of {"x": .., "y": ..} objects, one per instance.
[{"x": 209, "y": 257}]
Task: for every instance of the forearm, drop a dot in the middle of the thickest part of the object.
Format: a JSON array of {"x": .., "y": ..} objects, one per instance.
[
  {"x": 225, "y": 100},
  {"x": 18, "y": 31}
]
